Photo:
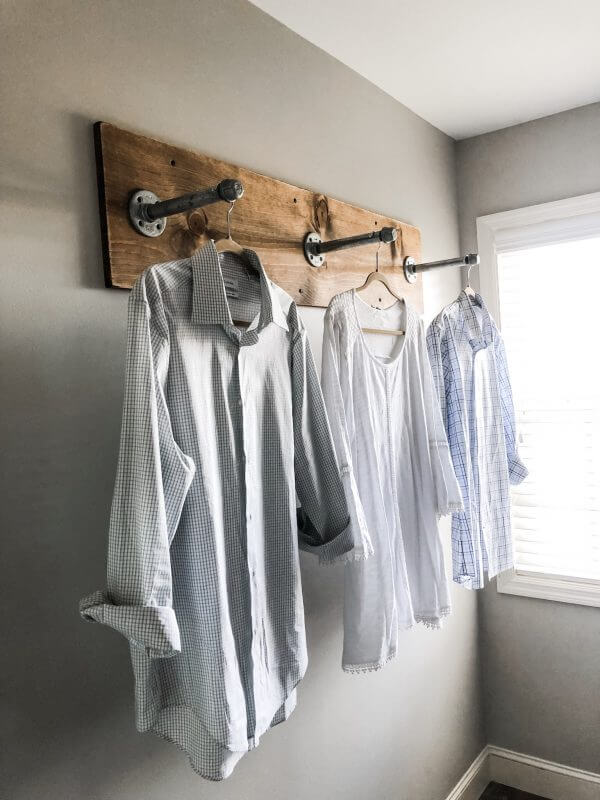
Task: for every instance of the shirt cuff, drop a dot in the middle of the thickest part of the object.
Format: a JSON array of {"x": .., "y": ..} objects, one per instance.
[
  {"x": 448, "y": 495},
  {"x": 517, "y": 471},
  {"x": 337, "y": 549},
  {"x": 151, "y": 628},
  {"x": 362, "y": 547}
]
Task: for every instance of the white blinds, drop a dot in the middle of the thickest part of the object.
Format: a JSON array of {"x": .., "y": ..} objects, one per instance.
[{"x": 549, "y": 299}]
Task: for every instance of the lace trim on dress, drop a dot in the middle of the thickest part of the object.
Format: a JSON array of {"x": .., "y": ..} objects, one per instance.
[
  {"x": 434, "y": 622},
  {"x": 358, "y": 669}
]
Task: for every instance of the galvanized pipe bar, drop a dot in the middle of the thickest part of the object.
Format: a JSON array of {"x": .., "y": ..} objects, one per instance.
[
  {"x": 385, "y": 235},
  {"x": 471, "y": 259},
  {"x": 411, "y": 268},
  {"x": 227, "y": 190}
]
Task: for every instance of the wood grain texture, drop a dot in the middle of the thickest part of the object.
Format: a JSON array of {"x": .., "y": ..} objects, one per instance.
[{"x": 272, "y": 218}]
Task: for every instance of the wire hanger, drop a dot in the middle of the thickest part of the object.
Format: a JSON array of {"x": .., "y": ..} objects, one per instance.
[
  {"x": 468, "y": 288},
  {"x": 228, "y": 244},
  {"x": 376, "y": 275}
]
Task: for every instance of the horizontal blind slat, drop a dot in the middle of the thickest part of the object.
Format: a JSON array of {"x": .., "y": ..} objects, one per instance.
[{"x": 556, "y": 386}]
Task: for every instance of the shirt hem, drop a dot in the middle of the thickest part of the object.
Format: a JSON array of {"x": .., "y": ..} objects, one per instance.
[
  {"x": 171, "y": 740},
  {"x": 493, "y": 573},
  {"x": 476, "y": 582},
  {"x": 433, "y": 621},
  {"x": 157, "y": 730},
  {"x": 373, "y": 666},
  {"x": 468, "y": 581}
]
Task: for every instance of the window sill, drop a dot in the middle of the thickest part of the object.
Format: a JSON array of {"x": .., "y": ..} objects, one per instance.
[{"x": 550, "y": 587}]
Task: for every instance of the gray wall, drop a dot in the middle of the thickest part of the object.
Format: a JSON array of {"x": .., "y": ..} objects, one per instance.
[
  {"x": 539, "y": 658},
  {"x": 229, "y": 81}
]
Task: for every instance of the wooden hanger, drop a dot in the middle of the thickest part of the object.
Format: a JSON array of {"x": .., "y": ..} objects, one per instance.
[{"x": 379, "y": 276}]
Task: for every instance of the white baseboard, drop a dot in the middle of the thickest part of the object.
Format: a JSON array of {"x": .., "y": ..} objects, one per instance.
[
  {"x": 528, "y": 773},
  {"x": 474, "y": 781},
  {"x": 538, "y": 776}
]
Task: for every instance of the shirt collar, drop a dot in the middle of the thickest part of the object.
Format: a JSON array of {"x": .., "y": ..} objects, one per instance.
[
  {"x": 480, "y": 336},
  {"x": 209, "y": 300}
]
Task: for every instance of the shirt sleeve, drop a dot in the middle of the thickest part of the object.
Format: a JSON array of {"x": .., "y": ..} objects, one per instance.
[
  {"x": 323, "y": 518},
  {"x": 342, "y": 436},
  {"x": 436, "y": 362},
  {"x": 153, "y": 478},
  {"x": 517, "y": 471},
  {"x": 448, "y": 495}
]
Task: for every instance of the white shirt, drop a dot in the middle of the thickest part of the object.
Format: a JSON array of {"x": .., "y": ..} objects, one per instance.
[{"x": 388, "y": 432}]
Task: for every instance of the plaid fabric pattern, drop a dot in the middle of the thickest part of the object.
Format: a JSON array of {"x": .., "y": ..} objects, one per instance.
[
  {"x": 222, "y": 429},
  {"x": 469, "y": 366}
]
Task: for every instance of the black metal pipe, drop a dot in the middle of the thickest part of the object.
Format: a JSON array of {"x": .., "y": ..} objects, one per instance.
[
  {"x": 385, "y": 235},
  {"x": 228, "y": 190},
  {"x": 411, "y": 268},
  {"x": 471, "y": 259}
]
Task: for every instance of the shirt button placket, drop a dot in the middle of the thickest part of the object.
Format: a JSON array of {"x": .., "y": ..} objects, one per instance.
[{"x": 247, "y": 467}]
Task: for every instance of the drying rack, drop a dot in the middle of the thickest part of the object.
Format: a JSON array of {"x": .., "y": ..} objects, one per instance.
[{"x": 151, "y": 211}]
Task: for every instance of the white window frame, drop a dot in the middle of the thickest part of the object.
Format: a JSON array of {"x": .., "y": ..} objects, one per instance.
[{"x": 546, "y": 223}]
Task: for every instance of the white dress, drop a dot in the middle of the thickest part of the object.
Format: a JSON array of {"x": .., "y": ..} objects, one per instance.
[{"x": 388, "y": 432}]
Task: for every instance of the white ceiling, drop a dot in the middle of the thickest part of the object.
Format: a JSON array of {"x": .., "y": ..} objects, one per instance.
[{"x": 466, "y": 66}]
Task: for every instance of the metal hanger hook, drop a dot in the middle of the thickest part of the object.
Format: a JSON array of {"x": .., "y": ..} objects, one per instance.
[
  {"x": 469, "y": 268},
  {"x": 229, "y": 210},
  {"x": 377, "y": 257}
]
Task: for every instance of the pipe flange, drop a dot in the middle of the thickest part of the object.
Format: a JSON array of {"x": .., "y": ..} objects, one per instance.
[
  {"x": 314, "y": 259},
  {"x": 138, "y": 202},
  {"x": 410, "y": 273}
]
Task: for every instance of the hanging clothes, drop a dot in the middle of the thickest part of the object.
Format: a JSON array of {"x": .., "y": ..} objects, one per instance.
[
  {"x": 469, "y": 367},
  {"x": 221, "y": 429},
  {"x": 388, "y": 432}
]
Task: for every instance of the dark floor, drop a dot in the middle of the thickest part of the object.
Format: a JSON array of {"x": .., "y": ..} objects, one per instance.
[{"x": 495, "y": 791}]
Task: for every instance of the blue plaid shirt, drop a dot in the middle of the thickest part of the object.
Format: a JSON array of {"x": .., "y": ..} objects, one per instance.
[{"x": 469, "y": 367}]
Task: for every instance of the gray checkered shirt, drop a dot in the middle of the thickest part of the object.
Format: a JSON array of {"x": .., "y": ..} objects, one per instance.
[{"x": 222, "y": 429}]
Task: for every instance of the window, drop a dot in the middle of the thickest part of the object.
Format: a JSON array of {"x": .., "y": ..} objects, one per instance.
[{"x": 540, "y": 275}]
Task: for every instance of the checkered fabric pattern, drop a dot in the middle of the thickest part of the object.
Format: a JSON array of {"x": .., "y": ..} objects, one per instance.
[
  {"x": 468, "y": 361},
  {"x": 222, "y": 429}
]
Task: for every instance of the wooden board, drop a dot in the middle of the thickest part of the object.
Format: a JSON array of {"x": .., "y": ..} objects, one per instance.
[{"x": 272, "y": 218}]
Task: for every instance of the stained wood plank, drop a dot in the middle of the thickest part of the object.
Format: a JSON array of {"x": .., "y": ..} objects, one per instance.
[{"x": 272, "y": 218}]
